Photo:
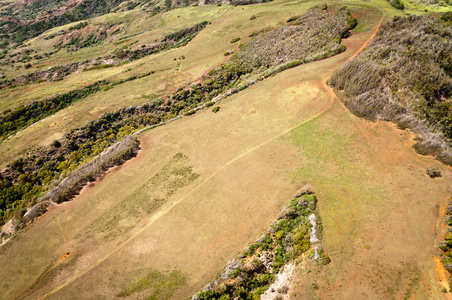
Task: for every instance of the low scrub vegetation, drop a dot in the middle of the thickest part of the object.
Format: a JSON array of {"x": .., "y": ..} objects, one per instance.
[
  {"x": 249, "y": 276},
  {"x": 397, "y": 4},
  {"x": 115, "y": 155},
  {"x": 14, "y": 120},
  {"x": 110, "y": 157},
  {"x": 84, "y": 35},
  {"x": 18, "y": 28},
  {"x": 315, "y": 35},
  {"x": 405, "y": 76},
  {"x": 120, "y": 56}
]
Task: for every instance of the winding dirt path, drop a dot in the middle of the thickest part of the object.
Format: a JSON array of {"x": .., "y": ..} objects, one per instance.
[{"x": 332, "y": 98}]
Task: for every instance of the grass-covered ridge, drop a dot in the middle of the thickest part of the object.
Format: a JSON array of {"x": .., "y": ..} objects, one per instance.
[
  {"x": 25, "y": 178},
  {"x": 405, "y": 76},
  {"x": 249, "y": 276},
  {"x": 122, "y": 55},
  {"x": 13, "y": 120}
]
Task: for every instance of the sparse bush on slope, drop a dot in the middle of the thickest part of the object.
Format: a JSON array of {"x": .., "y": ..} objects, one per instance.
[
  {"x": 405, "y": 76},
  {"x": 315, "y": 35}
]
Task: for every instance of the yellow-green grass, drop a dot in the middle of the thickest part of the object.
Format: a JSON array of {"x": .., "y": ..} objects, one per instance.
[
  {"x": 414, "y": 7},
  {"x": 251, "y": 156}
]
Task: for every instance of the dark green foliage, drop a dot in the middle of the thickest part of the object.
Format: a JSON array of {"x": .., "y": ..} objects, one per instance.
[
  {"x": 446, "y": 245},
  {"x": 291, "y": 19},
  {"x": 56, "y": 144},
  {"x": 26, "y": 115},
  {"x": 78, "y": 26},
  {"x": 447, "y": 17},
  {"x": 433, "y": 172},
  {"x": 184, "y": 33},
  {"x": 285, "y": 240},
  {"x": 323, "y": 258},
  {"x": 235, "y": 40},
  {"x": 397, "y": 4}
]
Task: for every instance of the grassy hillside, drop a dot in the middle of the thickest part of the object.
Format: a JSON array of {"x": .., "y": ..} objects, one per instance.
[
  {"x": 252, "y": 121},
  {"x": 271, "y": 152},
  {"x": 26, "y": 178}
]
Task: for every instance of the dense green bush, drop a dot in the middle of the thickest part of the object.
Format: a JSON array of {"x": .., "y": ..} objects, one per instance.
[{"x": 397, "y": 4}]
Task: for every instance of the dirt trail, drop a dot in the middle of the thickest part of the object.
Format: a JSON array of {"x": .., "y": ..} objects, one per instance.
[{"x": 332, "y": 97}]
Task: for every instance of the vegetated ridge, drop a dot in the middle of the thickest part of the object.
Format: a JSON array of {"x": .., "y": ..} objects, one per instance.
[
  {"x": 115, "y": 155},
  {"x": 405, "y": 76},
  {"x": 27, "y": 178},
  {"x": 14, "y": 120},
  {"x": 285, "y": 242},
  {"x": 122, "y": 55}
]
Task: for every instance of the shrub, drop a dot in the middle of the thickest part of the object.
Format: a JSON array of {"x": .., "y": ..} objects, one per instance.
[
  {"x": 433, "y": 172},
  {"x": 447, "y": 17},
  {"x": 397, "y": 4},
  {"x": 216, "y": 109},
  {"x": 291, "y": 19},
  {"x": 56, "y": 144}
]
